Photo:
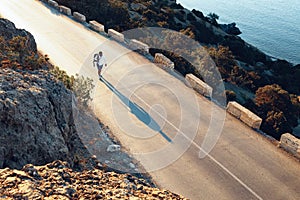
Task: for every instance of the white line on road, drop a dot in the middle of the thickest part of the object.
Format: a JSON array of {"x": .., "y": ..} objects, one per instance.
[{"x": 198, "y": 147}]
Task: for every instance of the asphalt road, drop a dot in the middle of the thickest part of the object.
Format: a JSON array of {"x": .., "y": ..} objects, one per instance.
[{"x": 161, "y": 121}]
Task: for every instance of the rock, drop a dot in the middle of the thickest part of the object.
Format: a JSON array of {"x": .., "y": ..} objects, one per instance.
[
  {"x": 113, "y": 148},
  {"x": 137, "y": 6},
  {"x": 8, "y": 31},
  {"x": 260, "y": 64},
  {"x": 2, "y": 154},
  {"x": 36, "y": 115},
  {"x": 131, "y": 165},
  {"x": 135, "y": 15},
  {"x": 230, "y": 29},
  {"x": 37, "y": 112}
]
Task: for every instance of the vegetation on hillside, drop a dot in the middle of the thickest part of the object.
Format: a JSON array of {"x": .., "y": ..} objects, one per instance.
[
  {"x": 15, "y": 53},
  {"x": 278, "y": 108}
]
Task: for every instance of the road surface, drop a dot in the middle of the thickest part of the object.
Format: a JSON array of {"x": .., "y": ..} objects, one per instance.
[{"x": 159, "y": 119}]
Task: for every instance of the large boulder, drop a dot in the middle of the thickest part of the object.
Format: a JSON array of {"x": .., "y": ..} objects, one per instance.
[
  {"x": 36, "y": 119},
  {"x": 36, "y": 115}
]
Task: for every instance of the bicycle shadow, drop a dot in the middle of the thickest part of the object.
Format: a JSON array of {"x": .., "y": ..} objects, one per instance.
[{"x": 136, "y": 110}]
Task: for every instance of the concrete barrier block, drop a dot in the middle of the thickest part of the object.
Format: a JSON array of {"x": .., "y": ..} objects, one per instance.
[
  {"x": 244, "y": 114},
  {"x": 135, "y": 44},
  {"x": 116, "y": 35},
  {"x": 161, "y": 59},
  {"x": 235, "y": 109},
  {"x": 251, "y": 119},
  {"x": 53, "y": 3},
  {"x": 96, "y": 26},
  {"x": 290, "y": 143},
  {"x": 65, "y": 10},
  {"x": 198, "y": 85},
  {"x": 79, "y": 17}
]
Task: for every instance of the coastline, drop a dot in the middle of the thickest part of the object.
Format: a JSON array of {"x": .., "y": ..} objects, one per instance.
[{"x": 275, "y": 35}]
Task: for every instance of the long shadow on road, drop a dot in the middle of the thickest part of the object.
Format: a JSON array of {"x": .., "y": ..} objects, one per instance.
[{"x": 136, "y": 110}]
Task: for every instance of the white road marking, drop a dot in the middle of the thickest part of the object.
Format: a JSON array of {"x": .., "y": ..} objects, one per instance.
[{"x": 198, "y": 147}]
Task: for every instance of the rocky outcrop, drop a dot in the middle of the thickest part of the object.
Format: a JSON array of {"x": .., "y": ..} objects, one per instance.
[
  {"x": 230, "y": 29},
  {"x": 8, "y": 31},
  {"x": 57, "y": 181},
  {"x": 36, "y": 120}
]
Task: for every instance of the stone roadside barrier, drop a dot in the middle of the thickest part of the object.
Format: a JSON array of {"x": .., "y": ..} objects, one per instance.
[
  {"x": 116, "y": 35},
  {"x": 244, "y": 114},
  {"x": 65, "y": 10},
  {"x": 161, "y": 59},
  {"x": 53, "y": 3},
  {"x": 198, "y": 85},
  {"x": 97, "y": 26},
  {"x": 291, "y": 144},
  {"x": 79, "y": 17},
  {"x": 135, "y": 44}
]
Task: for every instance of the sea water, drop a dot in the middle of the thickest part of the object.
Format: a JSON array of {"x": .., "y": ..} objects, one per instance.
[{"x": 271, "y": 25}]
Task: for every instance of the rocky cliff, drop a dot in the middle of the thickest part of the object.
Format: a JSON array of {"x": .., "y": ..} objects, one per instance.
[
  {"x": 57, "y": 181},
  {"x": 36, "y": 120},
  {"x": 8, "y": 31}
]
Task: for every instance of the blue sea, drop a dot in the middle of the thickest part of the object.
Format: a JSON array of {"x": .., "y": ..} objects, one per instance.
[{"x": 271, "y": 25}]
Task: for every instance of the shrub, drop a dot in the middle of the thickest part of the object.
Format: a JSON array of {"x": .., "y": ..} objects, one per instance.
[
  {"x": 276, "y": 108},
  {"x": 81, "y": 86},
  {"x": 62, "y": 76},
  {"x": 230, "y": 95},
  {"x": 82, "y": 89}
]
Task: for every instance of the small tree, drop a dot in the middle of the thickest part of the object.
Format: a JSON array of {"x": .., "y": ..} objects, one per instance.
[
  {"x": 277, "y": 110},
  {"x": 81, "y": 86},
  {"x": 82, "y": 89},
  {"x": 213, "y": 17}
]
